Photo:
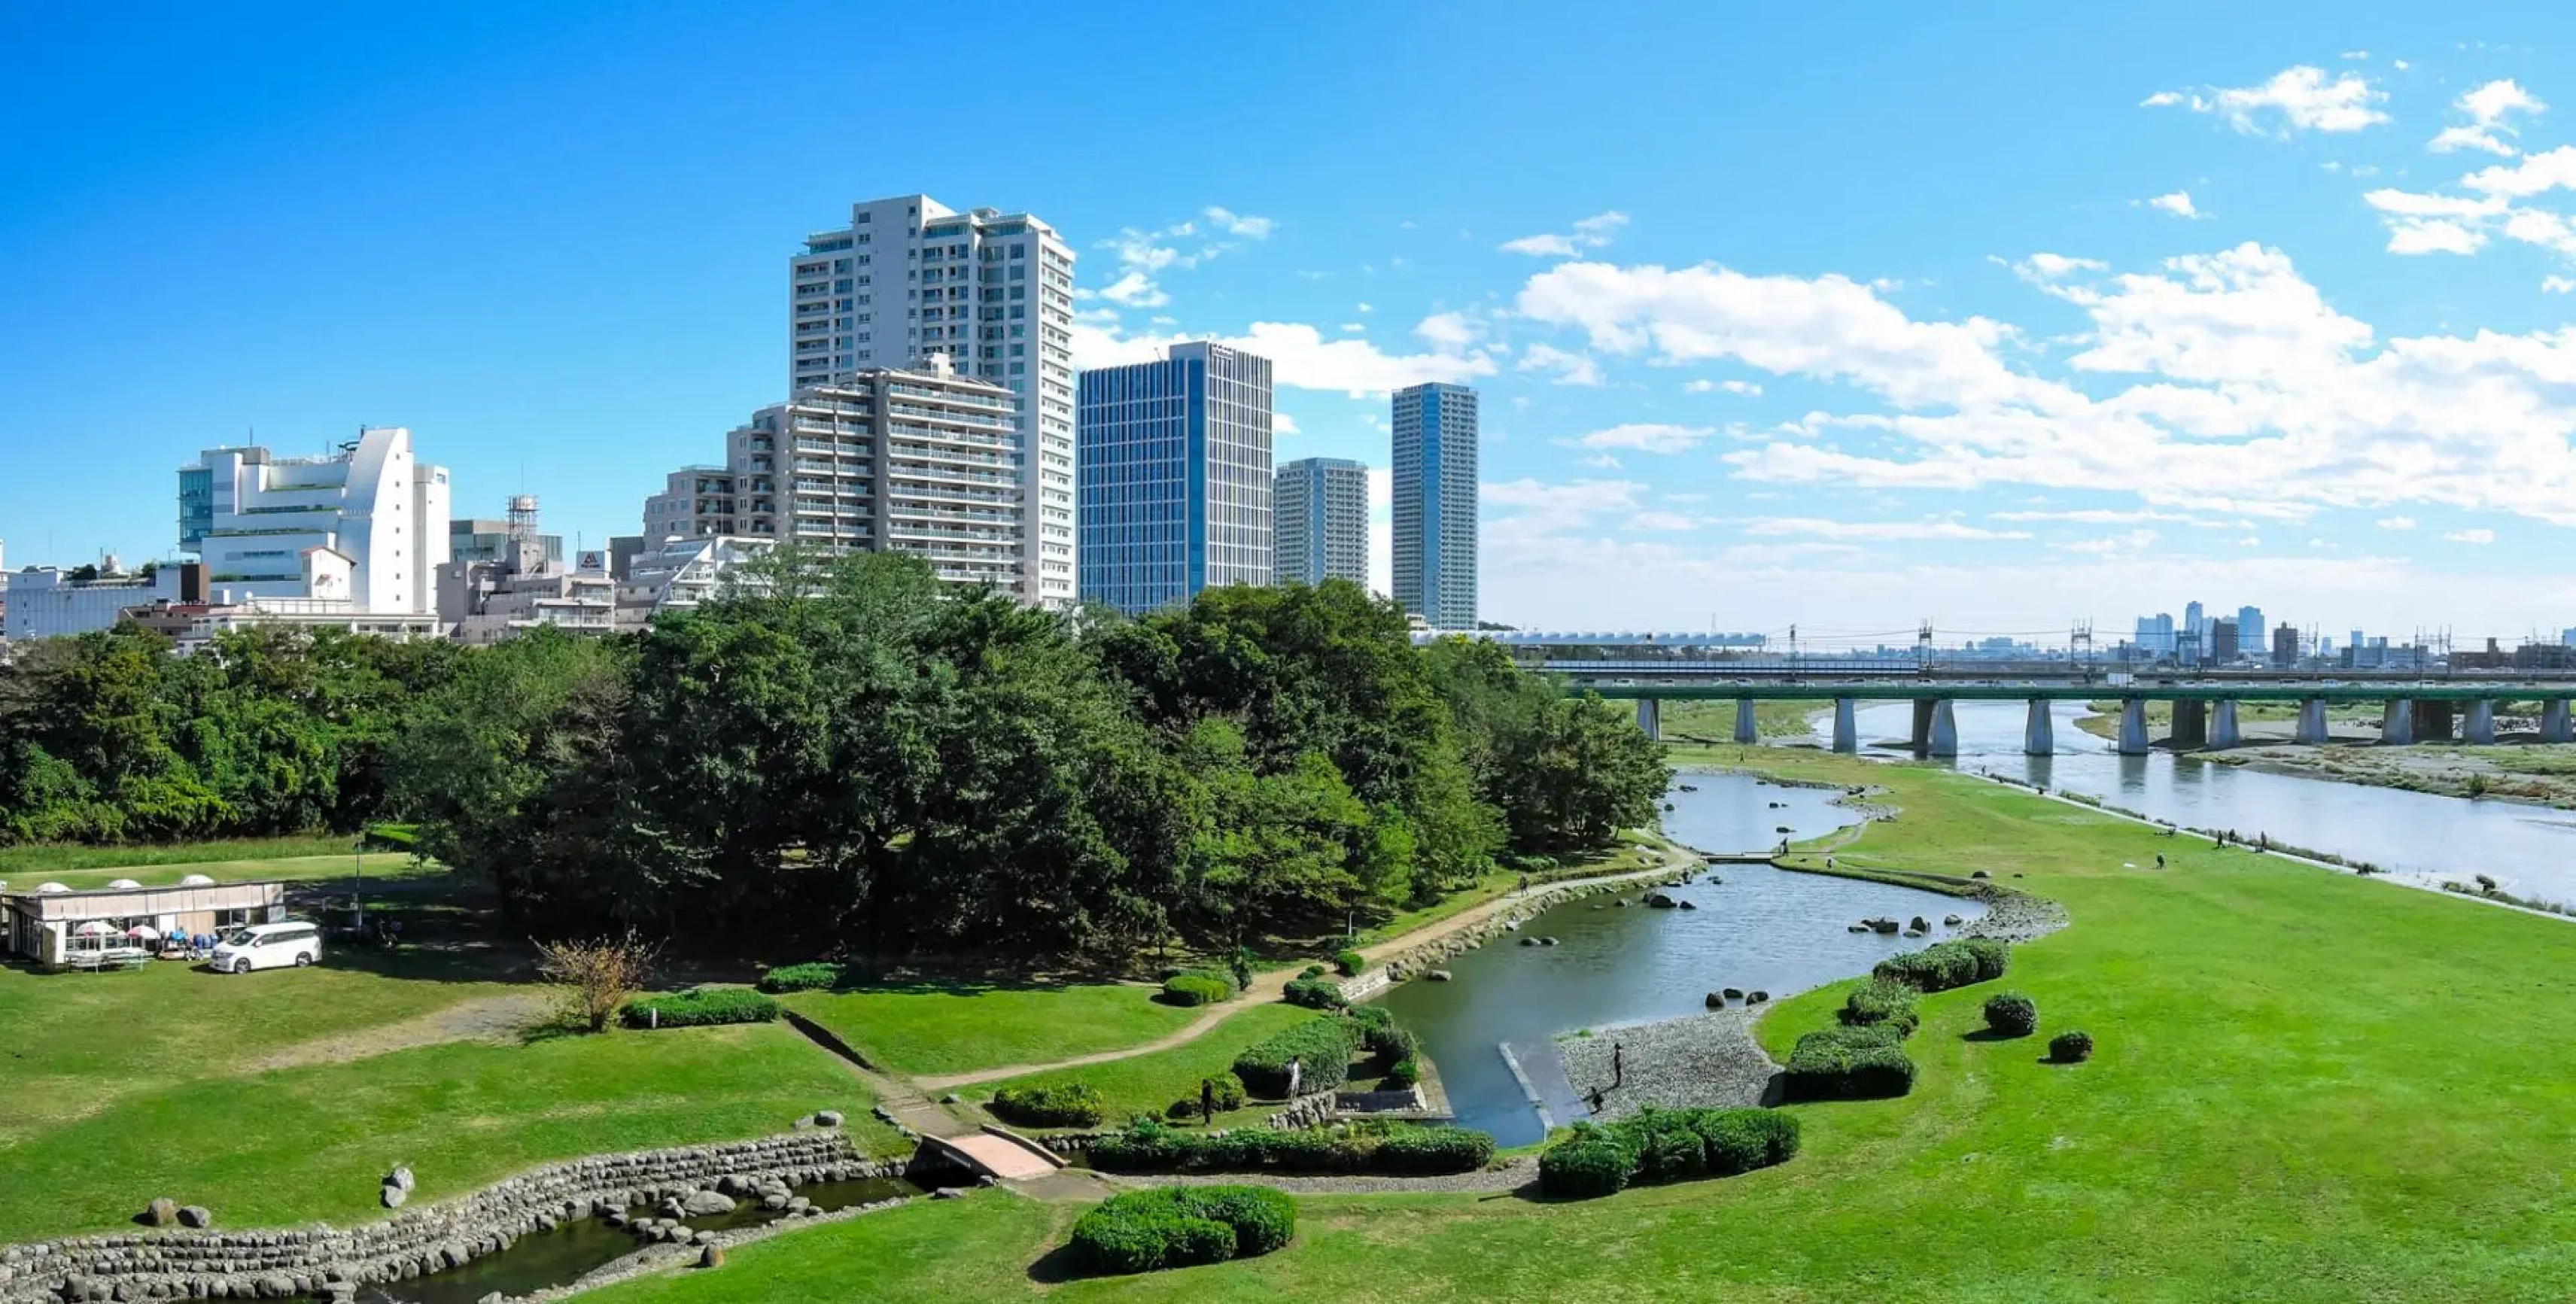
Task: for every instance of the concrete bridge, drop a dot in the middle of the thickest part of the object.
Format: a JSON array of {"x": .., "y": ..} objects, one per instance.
[{"x": 2204, "y": 712}]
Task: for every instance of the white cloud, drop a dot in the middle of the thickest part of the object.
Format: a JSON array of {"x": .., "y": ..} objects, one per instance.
[
  {"x": 1534, "y": 508},
  {"x": 2049, "y": 267},
  {"x": 1283, "y": 424},
  {"x": 1594, "y": 232},
  {"x": 2178, "y": 203},
  {"x": 2489, "y": 108},
  {"x": 1240, "y": 224},
  {"x": 1450, "y": 332},
  {"x": 1823, "y": 528},
  {"x": 1135, "y": 290},
  {"x": 1645, "y": 522},
  {"x": 2300, "y": 98},
  {"x": 1366, "y": 308},
  {"x": 1647, "y": 437},
  {"x": 1570, "y": 368},
  {"x": 2556, "y": 284},
  {"x": 1300, "y": 355},
  {"x": 2096, "y": 516},
  {"x": 2459, "y": 138},
  {"x": 2552, "y": 169},
  {"x": 2395, "y": 522},
  {"x": 2113, "y": 545},
  {"x": 1602, "y": 462},
  {"x": 1744, "y": 387},
  {"x": 2354, "y": 54},
  {"x": 2471, "y": 536}
]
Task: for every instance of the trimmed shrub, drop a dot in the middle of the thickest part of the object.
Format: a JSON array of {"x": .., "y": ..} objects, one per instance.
[
  {"x": 2071, "y": 1047},
  {"x": 1404, "y": 1073},
  {"x": 1665, "y": 1145},
  {"x": 1176, "y": 1227},
  {"x": 1946, "y": 965},
  {"x": 1066, "y": 1104},
  {"x": 1316, "y": 993},
  {"x": 1863, "y": 1063},
  {"x": 1150, "y": 1147},
  {"x": 700, "y": 1007},
  {"x": 1594, "y": 1161},
  {"x": 2011, "y": 1015},
  {"x": 1882, "y": 1001},
  {"x": 1229, "y": 1096},
  {"x": 813, "y": 976},
  {"x": 1322, "y": 1048},
  {"x": 1311, "y": 971},
  {"x": 1351, "y": 963},
  {"x": 1197, "y": 989}
]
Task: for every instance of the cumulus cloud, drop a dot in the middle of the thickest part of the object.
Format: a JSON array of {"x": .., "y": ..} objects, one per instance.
[
  {"x": 2471, "y": 536},
  {"x": 1824, "y": 528},
  {"x": 2178, "y": 203},
  {"x": 2490, "y": 108},
  {"x": 1744, "y": 387},
  {"x": 1301, "y": 357},
  {"x": 1647, "y": 437},
  {"x": 1570, "y": 368},
  {"x": 2296, "y": 99},
  {"x": 1240, "y": 224},
  {"x": 2050, "y": 267},
  {"x": 2395, "y": 522},
  {"x": 1594, "y": 232}
]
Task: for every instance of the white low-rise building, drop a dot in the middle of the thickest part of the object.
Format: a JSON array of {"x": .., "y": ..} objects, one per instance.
[
  {"x": 48, "y": 603},
  {"x": 679, "y": 575},
  {"x": 257, "y": 519}
]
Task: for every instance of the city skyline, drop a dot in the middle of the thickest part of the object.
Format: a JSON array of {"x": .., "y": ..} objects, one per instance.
[{"x": 2048, "y": 399}]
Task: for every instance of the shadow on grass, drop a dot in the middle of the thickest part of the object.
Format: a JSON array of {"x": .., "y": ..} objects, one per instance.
[
  {"x": 1989, "y": 1034},
  {"x": 1057, "y": 1266}
]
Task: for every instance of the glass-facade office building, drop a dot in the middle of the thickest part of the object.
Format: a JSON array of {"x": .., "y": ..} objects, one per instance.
[
  {"x": 1435, "y": 504},
  {"x": 1319, "y": 521},
  {"x": 1174, "y": 476}
]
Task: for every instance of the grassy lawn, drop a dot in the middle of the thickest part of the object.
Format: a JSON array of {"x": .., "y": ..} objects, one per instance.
[
  {"x": 958, "y": 1027},
  {"x": 60, "y": 861},
  {"x": 292, "y": 1145},
  {"x": 2310, "y": 1087},
  {"x": 384, "y": 865},
  {"x": 1715, "y": 719},
  {"x": 1147, "y": 1084}
]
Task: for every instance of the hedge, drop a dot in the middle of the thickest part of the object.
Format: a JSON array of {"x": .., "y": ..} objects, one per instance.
[
  {"x": 1849, "y": 1063},
  {"x": 1393, "y": 1148},
  {"x": 1882, "y": 1001},
  {"x": 2011, "y": 1015},
  {"x": 2071, "y": 1047},
  {"x": 1323, "y": 1049},
  {"x": 1175, "y": 1227},
  {"x": 1197, "y": 989},
  {"x": 1315, "y": 993},
  {"x": 1665, "y": 1145},
  {"x": 813, "y": 976},
  {"x": 700, "y": 1007},
  {"x": 1946, "y": 965},
  {"x": 1229, "y": 1096},
  {"x": 1351, "y": 963},
  {"x": 1067, "y": 1104}
]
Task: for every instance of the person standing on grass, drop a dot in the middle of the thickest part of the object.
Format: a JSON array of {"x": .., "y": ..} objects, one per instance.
[
  {"x": 1296, "y": 1077},
  {"x": 1207, "y": 1101}
]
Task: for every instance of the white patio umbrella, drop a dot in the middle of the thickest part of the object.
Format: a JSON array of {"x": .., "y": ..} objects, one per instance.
[
  {"x": 93, "y": 928},
  {"x": 144, "y": 933}
]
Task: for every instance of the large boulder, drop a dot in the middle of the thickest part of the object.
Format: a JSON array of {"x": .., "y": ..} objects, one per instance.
[
  {"x": 1756, "y": 998},
  {"x": 1883, "y": 925},
  {"x": 711, "y": 1257},
  {"x": 196, "y": 1215},
  {"x": 393, "y": 1195},
  {"x": 827, "y": 1118},
  {"x": 163, "y": 1212},
  {"x": 1438, "y": 975},
  {"x": 701, "y": 1204},
  {"x": 1715, "y": 1001},
  {"x": 400, "y": 1176}
]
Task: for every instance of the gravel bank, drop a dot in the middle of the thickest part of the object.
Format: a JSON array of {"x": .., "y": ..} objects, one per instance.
[
  {"x": 1509, "y": 1175},
  {"x": 1699, "y": 1060},
  {"x": 2015, "y": 917}
]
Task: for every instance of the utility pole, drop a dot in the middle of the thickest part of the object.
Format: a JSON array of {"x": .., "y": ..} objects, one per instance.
[{"x": 1923, "y": 644}]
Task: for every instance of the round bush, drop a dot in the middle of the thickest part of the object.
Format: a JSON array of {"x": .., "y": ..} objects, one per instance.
[
  {"x": 1196, "y": 989},
  {"x": 2011, "y": 1015},
  {"x": 1323, "y": 1049},
  {"x": 700, "y": 1007},
  {"x": 1882, "y": 1001},
  {"x": 1351, "y": 963},
  {"x": 1406, "y": 1072},
  {"x": 1592, "y": 1162},
  {"x": 1069, "y": 1104},
  {"x": 1175, "y": 1227},
  {"x": 2071, "y": 1047},
  {"x": 1316, "y": 993},
  {"x": 812, "y": 976}
]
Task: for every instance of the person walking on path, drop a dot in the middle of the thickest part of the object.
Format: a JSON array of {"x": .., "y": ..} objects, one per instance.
[
  {"x": 1207, "y": 1101},
  {"x": 1618, "y": 1065}
]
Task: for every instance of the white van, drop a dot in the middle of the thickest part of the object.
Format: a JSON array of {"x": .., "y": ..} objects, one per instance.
[{"x": 268, "y": 946}]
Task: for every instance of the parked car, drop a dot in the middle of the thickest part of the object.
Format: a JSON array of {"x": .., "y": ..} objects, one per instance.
[{"x": 268, "y": 946}]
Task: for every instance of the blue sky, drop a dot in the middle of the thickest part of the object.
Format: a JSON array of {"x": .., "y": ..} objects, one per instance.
[{"x": 1846, "y": 320}]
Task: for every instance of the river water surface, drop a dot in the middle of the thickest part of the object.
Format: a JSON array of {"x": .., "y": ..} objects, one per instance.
[
  {"x": 1759, "y": 929},
  {"x": 2529, "y": 850}
]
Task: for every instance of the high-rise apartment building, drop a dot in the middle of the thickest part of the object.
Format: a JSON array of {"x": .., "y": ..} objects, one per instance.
[
  {"x": 1176, "y": 476},
  {"x": 2222, "y": 640},
  {"x": 2195, "y": 623},
  {"x": 1319, "y": 521},
  {"x": 2156, "y": 635},
  {"x": 884, "y": 460},
  {"x": 1435, "y": 504},
  {"x": 2250, "y": 628},
  {"x": 696, "y": 502},
  {"x": 2285, "y": 645},
  {"x": 909, "y": 278},
  {"x": 366, "y": 526}
]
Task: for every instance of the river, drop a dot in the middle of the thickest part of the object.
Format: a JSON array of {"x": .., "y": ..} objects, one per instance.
[
  {"x": 1758, "y": 929},
  {"x": 2418, "y": 837}
]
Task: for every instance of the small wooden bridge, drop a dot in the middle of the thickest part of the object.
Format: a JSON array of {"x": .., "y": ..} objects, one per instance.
[{"x": 994, "y": 1152}]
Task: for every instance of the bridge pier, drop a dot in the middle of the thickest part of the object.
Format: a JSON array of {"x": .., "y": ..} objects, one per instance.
[
  {"x": 2133, "y": 726},
  {"x": 2397, "y": 721},
  {"x": 2433, "y": 721},
  {"x": 2312, "y": 723},
  {"x": 2191, "y": 723},
  {"x": 2554, "y": 722},
  {"x": 1936, "y": 731},
  {"x": 2222, "y": 725},
  {"x": 1650, "y": 717},
  {"x": 2038, "y": 733},
  {"x": 2481, "y": 724},
  {"x": 1846, "y": 729},
  {"x": 1746, "y": 731}
]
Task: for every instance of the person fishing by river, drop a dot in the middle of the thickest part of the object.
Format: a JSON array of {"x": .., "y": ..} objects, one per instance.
[{"x": 1618, "y": 1065}]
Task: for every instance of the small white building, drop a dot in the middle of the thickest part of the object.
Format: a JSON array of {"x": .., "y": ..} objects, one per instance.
[
  {"x": 45, "y": 602},
  {"x": 256, "y": 519},
  {"x": 45, "y": 923}
]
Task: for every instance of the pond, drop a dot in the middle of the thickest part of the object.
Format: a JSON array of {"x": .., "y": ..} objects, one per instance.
[
  {"x": 560, "y": 1257},
  {"x": 1758, "y": 929}
]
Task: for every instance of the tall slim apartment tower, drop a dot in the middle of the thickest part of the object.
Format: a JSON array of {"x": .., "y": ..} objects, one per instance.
[
  {"x": 1176, "y": 479},
  {"x": 1319, "y": 521},
  {"x": 910, "y": 277},
  {"x": 1435, "y": 504}
]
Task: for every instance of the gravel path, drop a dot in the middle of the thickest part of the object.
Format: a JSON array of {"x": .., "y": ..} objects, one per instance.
[
  {"x": 1509, "y": 1175},
  {"x": 492, "y": 1019},
  {"x": 1699, "y": 1061},
  {"x": 2016, "y": 917}
]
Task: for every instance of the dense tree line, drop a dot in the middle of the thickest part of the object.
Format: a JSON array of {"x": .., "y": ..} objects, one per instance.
[{"x": 846, "y": 753}]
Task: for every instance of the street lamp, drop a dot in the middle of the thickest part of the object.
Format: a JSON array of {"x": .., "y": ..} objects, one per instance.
[{"x": 361, "y": 898}]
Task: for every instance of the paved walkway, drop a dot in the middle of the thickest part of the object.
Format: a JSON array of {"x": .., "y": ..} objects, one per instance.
[{"x": 1272, "y": 986}]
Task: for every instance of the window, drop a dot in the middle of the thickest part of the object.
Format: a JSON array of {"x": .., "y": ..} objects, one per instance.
[{"x": 1019, "y": 251}]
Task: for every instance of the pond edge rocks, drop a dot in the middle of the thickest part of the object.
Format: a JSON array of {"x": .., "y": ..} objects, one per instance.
[
  {"x": 332, "y": 1263},
  {"x": 1424, "y": 960}
]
